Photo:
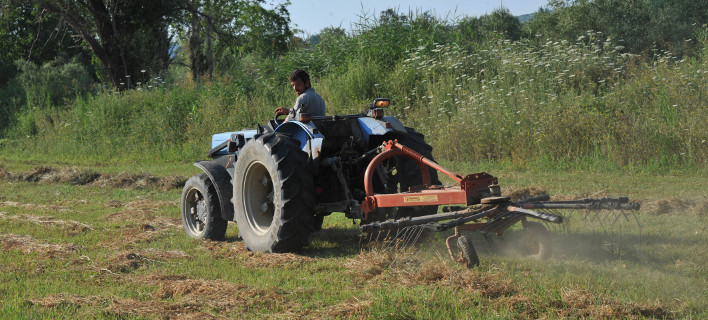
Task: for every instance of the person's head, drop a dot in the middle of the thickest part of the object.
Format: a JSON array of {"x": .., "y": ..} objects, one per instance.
[{"x": 300, "y": 81}]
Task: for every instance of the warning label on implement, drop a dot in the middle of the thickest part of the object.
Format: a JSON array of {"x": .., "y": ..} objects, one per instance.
[{"x": 409, "y": 199}]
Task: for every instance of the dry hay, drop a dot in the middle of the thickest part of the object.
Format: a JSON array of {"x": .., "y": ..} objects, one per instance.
[
  {"x": 27, "y": 244},
  {"x": 374, "y": 268},
  {"x": 702, "y": 208},
  {"x": 673, "y": 205},
  {"x": 33, "y": 206},
  {"x": 133, "y": 234},
  {"x": 159, "y": 254},
  {"x": 275, "y": 260},
  {"x": 139, "y": 181},
  {"x": 143, "y": 224},
  {"x": 583, "y": 304},
  {"x": 259, "y": 260},
  {"x": 524, "y": 193},
  {"x": 44, "y": 174},
  {"x": 407, "y": 269},
  {"x": 65, "y": 299},
  {"x": 350, "y": 309},
  {"x": 195, "y": 298},
  {"x": 72, "y": 175},
  {"x": 224, "y": 249},
  {"x": 71, "y": 225},
  {"x": 127, "y": 262},
  {"x": 4, "y": 174},
  {"x": 143, "y": 211}
]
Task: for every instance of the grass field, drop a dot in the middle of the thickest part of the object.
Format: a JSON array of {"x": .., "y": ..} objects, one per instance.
[{"x": 114, "y": 248}]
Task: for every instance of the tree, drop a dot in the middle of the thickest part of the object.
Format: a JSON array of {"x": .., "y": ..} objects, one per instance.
[
  {"x": 640, "y": 25},
  {"x": 211, "y": 31},
  {"x": 32, "y": 35},
  {"x": 126, "y": 36}
]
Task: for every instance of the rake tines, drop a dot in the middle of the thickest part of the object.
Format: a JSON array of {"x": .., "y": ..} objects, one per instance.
[
  {"x": 393, "y": 239},
  {"x": 611, "y": 230},
  {"x": 611, "y": 223}
]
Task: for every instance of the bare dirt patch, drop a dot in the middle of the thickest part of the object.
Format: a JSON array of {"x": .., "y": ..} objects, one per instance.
[
  {"x": 72, "y": 175},
  {"x": 71, "y": 225},
  {"x": 28, "y": 244}
]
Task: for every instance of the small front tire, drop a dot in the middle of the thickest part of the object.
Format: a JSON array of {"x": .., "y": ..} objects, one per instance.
[{"x": 200, "y": 209}]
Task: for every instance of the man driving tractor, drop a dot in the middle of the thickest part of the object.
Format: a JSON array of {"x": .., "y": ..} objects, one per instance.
[{"x": 308, "y": 101}]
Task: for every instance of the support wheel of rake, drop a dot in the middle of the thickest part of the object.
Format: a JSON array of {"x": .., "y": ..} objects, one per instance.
[
  {"x": 536, "y": 241},
  {"x": 274, "y": 194},
  {"x": 200, "y": 209},
  {"x": 468, "y": 253}
]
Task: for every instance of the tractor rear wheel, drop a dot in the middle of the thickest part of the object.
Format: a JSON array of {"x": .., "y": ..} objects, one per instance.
[
  {"x": 200, "y": 209},
  {"x": 274, "y": 194}
]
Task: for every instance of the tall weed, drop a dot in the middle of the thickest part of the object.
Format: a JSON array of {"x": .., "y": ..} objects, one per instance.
[{"x": 557, "y": 104}]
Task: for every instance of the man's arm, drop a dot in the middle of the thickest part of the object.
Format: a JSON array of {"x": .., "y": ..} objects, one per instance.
[{"x": 281, "y": 110}]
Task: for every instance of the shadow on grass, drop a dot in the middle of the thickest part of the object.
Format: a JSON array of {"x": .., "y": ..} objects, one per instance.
[{"x": 334, "y": 242}]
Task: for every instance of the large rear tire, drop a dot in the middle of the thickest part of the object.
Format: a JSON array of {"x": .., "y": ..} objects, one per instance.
[
  {"x": 274, "y": 194},
  {"x": 200, "y": 209}
]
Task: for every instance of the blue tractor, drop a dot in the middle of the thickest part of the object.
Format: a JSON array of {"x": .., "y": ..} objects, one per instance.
[{"x": 279, "y": 181}]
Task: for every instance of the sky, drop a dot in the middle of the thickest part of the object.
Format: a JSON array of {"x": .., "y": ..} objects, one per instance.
[{"x": 314, "y": 15}]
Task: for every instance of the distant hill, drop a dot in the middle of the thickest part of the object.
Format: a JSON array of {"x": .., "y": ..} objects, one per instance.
[{"x": 526, "y": 17}]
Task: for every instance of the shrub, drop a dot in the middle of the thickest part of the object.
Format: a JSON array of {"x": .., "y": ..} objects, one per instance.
[{"x": 55, "y": 83}]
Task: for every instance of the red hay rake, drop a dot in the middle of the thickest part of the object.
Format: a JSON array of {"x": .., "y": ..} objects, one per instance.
[{"x": 477, "y": 205}]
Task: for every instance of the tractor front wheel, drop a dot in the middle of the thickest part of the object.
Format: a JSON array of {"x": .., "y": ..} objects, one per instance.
[
  {"x": 274, "y": 194},
  {"x": 201, "y": 212}
]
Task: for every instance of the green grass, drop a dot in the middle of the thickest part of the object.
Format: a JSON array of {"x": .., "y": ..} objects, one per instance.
[
  {"x": 70, "y": 272},
  {"x": 574, "y": 119},
  {"x": 551, "y": 103}
]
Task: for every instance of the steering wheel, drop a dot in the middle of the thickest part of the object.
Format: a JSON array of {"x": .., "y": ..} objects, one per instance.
[{"x": 275, "y": 122}]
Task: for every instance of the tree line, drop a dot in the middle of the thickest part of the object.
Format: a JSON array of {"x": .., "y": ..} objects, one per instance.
[
  {"x": 124, "y": 43},
  {"x": 127, "y": 42}
]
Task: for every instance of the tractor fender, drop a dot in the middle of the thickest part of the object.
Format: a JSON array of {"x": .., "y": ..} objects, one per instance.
[
  {"x": 396, "y": 125},
  {"x": 221, "y": 179},
  {"x": 386, "y": 126},
  {"x": 306, "y": 133}
]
